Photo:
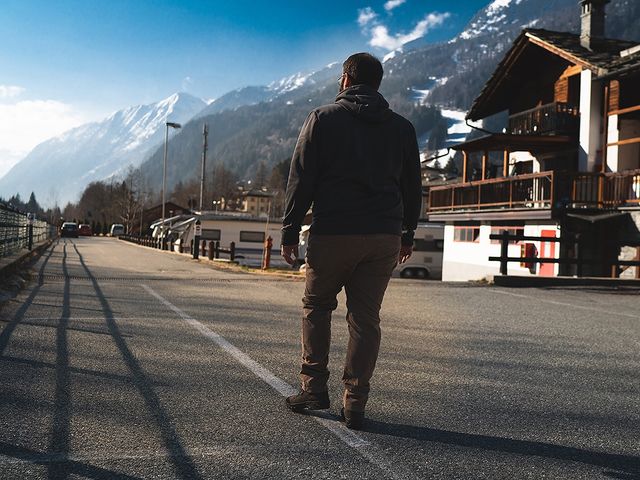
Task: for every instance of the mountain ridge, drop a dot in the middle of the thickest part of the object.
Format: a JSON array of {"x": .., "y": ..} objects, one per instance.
[{"x": 99, "y": 150}]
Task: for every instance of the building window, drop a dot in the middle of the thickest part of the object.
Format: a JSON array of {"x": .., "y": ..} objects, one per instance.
[
  {"x": 510, "y": 231},
  {"x": 210, "y": 234},
  {"x": 466, "y": 234},
  {"x": 253, "y": 237}
]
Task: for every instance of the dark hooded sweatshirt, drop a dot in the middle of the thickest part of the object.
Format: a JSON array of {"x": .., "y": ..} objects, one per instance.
[{"x": 358, "y": 163}]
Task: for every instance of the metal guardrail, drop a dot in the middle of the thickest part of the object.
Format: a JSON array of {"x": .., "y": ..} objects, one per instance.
[{"x": 15, "y": 232}]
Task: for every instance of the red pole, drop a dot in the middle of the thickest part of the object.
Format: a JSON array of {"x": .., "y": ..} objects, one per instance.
[{"x": 267, "y": 253}]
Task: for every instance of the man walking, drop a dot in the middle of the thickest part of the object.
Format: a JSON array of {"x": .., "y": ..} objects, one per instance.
[{"x": 357, "y": 162}]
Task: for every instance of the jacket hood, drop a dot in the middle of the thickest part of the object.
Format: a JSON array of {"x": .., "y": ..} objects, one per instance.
[{"x": 365, "y": 103}]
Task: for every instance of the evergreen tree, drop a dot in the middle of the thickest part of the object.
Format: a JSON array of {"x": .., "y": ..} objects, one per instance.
[{"x": 32, "y": 205}]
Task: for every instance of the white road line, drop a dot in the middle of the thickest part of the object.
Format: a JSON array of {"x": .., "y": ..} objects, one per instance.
[
  {"x": 565, "y": 304},
  {"x": 352, "y": 439}
]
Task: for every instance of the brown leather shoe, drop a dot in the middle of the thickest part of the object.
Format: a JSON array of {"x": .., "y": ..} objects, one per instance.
[
  {"x": 308, "y": 401},
  {"x": 353, "y": 420}
]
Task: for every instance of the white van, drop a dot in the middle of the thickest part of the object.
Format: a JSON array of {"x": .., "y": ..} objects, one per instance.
[
  {"x": 426, "y": 260},
  {"x": 117, "y": 229}
]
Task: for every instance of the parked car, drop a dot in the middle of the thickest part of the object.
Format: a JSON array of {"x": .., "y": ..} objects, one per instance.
[
  {"x": 117, "y": 229},
  {"x": 69, "y": 229},
  {"x": 85, "y": 230}
]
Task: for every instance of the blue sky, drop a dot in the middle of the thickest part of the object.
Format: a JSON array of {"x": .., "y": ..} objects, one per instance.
[{"x": 65, "y": 62}]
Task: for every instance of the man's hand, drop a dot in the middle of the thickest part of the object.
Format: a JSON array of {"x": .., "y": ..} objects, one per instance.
[
  {"x": 289, "y": 253},
  {"x": 405, "y": 253}
]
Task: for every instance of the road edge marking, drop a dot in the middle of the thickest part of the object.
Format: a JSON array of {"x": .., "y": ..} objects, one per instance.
[{"x": 347, "y": 436}]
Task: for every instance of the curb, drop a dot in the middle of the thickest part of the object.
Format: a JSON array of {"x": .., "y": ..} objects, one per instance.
[
  {"x": 225, "y": 265},
  {"x": 516, "y": 281}
]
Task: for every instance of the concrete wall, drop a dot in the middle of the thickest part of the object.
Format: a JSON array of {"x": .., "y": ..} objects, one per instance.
[
  {"x": 468, "y": 261},
  {"x": 590, "y": 120}
]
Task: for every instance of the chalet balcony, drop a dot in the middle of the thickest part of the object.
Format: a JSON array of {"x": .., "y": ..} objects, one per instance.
[
  {"x": 523, "y": 191},
  {"x": 538, "y": 191},
  {"x": 555, "y": 118}
]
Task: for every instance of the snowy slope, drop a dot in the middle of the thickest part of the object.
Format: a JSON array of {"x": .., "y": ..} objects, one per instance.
[
  {"x": 60, "y": 168},
  {"x": 286, "y": 88}
]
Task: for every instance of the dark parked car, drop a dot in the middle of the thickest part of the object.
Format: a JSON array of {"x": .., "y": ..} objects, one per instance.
[
  {"x": 85, "y": 230},
  {"x": 69, "y": 229}
]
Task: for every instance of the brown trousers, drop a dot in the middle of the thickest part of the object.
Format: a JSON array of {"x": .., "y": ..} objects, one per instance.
[{"x": 362, "y": 264}]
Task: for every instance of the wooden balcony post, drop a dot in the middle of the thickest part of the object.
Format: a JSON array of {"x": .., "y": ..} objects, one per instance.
[
  {"x": 465, "y": 160},
  {"x": 505, "y": 164},
  {"x": 600, "y": 191},
  {"x": 485, "y": 156},
  {"x": 510, "y": 193}
]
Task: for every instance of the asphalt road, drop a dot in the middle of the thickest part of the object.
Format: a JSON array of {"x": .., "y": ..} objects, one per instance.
[{"x": 120, "y": 362}]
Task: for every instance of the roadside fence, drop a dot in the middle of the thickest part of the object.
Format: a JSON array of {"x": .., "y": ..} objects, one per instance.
[
  {"x": 212, "y": 250},
  {"x": 529, "y": 257},
  {"x": 19, "y": 230}
]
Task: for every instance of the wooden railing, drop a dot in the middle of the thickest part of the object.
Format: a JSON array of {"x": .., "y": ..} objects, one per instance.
[
  {"x": 555, "y": 117},
  {"x": 606, "y": 190},
  {"x": 540, "y": 190},
  {"x": 533, "y": 190}
]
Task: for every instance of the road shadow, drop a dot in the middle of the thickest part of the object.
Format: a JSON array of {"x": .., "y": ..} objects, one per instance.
[
  {"x": 60, "y": 440},
  {"x": 72, "y": 466},
  {"x": 625, "y": 467},
  {"x": 6, "y": 333},
  {"x": 182, "y": 462}
]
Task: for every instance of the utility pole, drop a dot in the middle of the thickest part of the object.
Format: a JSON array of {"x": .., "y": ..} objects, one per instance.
[{"x": 205, "y": 132}]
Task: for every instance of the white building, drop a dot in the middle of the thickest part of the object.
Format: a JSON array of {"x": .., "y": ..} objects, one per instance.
[{"x": 567, "y": 166}]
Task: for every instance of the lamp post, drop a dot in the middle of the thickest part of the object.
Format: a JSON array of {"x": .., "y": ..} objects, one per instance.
[{"x": 164, "y": 175}]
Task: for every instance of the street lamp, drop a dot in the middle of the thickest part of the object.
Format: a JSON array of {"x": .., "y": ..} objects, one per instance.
[{"x": 164, "y": 174}]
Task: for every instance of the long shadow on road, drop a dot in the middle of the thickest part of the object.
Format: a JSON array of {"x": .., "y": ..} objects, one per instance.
[
  {"x": 60, "y": 434},
  {"x": 57, "y": 461},
  {"x": 182, "y": 462},
  {"x": 70, "y": 465},
  {"x": 624, "y": 466}
]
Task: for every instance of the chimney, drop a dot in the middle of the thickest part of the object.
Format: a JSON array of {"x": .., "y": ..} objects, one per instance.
[{"x": 592, "y": 21}]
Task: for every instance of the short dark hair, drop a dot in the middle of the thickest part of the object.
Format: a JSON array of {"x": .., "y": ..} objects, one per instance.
[{"x": 364, "y": 69}]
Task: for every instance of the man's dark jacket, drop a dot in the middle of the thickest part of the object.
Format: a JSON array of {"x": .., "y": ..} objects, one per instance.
[{"x": 358, "y": 163}]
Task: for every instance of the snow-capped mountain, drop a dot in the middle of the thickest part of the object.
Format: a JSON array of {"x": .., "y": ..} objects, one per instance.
[
  {"x": 289, "y": 86},
  {"x": 60, "y": 168}
]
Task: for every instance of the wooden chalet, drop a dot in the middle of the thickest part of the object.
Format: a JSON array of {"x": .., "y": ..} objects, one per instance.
[{"x": 566, "y": 165}]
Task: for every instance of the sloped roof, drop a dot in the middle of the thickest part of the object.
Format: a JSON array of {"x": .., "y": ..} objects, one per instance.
[
  {"x": 604, "y": 60},
  {"x": 604, "y": 55},
  {"x": 515, "y": 143}
]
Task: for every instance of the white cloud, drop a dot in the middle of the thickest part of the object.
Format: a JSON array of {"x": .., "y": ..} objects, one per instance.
[
  {"x": 366, "y": 16},
  {"x": 380, "y": 36},
  {"x": 391, "y": 4},
  {"x": 10, "y": 91},
  {"x": 26, "y": 123}
]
